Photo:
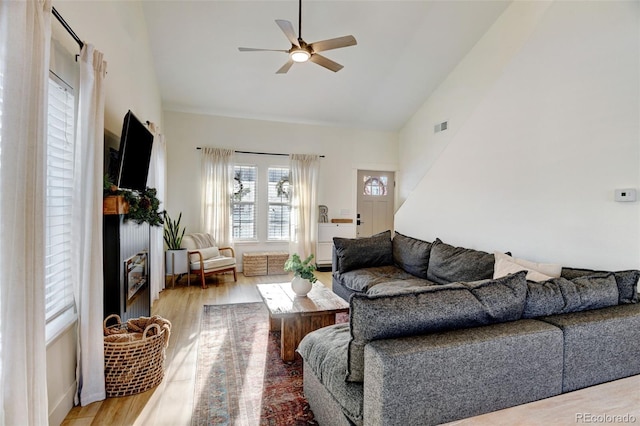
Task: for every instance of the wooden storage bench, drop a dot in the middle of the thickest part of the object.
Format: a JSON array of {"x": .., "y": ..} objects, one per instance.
[{"x": 264, "y": 263}]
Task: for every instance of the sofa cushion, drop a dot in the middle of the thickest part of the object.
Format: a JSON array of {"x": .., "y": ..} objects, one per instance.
[
  {"x": 356, "y": 253},
  {"x": 362, "y": 280},
  {"x": 560, "y": 295},
  {"x": 600, "y": 345},
  {"x": 402, "y": 286},
  {"x": 506, "y": 264},
  {"x": 429, "y": 309},
  {"x": 449, "y": 264},
  {"x": 325, "y": 352},
  {"x": 411, "y": 254},
  {"x": 445, "y": 376},
  {"x": 627, "y": 281}
]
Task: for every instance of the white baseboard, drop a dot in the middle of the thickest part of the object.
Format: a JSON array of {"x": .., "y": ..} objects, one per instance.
[{"x": 58, "y": 413}]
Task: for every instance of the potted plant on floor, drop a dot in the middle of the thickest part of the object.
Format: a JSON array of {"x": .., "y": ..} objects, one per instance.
[
  {"x": 303, "y": 277},
  {"x": 176, "y": 260}
]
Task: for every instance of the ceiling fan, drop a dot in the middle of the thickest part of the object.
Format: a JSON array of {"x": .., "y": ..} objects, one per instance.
[{"x": 301, "y": 51}]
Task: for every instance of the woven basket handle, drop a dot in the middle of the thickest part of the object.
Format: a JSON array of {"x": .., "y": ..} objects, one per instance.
[
  {"x": 104, "y": 324},
  {"x": 149, "y": 327}
]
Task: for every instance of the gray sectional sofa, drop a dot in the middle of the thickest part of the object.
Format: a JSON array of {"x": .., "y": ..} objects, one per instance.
[{"x": 433, "y": 337}]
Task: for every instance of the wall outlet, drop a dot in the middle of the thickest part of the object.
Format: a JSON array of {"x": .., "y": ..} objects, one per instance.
[{"x": 625, "y": 195}]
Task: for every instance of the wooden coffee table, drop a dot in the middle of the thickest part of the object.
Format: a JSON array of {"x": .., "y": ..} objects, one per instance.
[{"x": 295, "y": 316}]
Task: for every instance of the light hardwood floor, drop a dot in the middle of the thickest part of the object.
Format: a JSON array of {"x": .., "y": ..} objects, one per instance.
[{"x": 171, "y": 402}]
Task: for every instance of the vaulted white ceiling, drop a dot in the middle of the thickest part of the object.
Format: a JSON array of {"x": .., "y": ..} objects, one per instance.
[{"x": 405, "y": 49}]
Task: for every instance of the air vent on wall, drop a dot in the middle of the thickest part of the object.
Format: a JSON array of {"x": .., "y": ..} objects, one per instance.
[{"x": 441, "y": 127}]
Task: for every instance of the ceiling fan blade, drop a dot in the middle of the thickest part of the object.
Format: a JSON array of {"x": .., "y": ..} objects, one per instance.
[
  {"x": 285, "y": 67},
  {"x": 287, "y": 29},
  {"x": 251, "y": 49},
  {"x": 334, "y": 43},
  {"x": 325, "y": 62}
]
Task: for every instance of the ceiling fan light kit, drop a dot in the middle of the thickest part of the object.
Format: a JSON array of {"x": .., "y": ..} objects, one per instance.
[
  {"x": 299, "y": 55},
  {"x": 300, "y": 51}
]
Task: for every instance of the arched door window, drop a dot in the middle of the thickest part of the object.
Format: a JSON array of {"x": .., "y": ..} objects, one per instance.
[{"x": 375, "y": 185}]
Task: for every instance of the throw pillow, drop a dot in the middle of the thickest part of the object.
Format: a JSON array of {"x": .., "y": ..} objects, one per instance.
[
  {"x": 561, "y": 296},
  {"x": 505, "y": 264},
  {"x": 411, "y": 254},
  {"x": 430, "y": 309},
  {"x": 359, "y": 253},
  {"x": 627, "y": 281},
  {"x": 449, "y": 264}
]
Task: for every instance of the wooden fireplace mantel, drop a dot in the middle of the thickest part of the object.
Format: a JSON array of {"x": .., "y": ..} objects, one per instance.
[{"x": 115, "y": 204}]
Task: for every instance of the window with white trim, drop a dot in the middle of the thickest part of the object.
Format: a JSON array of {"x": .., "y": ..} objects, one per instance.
[
  {"x": 59, "y": 301},
  {"x": 278, "y": 205},
  {"x": 244, "y": 202}
]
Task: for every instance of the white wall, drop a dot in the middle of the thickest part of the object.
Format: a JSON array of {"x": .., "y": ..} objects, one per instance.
[
  {"x": 538, "y": 140},
  {"x": 345, "y": 151},
  {"x": 118, "y": 30}
]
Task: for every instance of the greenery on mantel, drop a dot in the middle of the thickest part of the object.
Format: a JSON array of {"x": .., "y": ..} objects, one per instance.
[{"x": 143, "y": 205}]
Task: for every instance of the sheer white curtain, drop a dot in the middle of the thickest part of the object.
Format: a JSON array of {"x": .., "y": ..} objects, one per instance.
[
  {"x": 86, "y": 228},
  {"x": 25, "y": 31},
  {"x": 157, "y": 180},
  {"x": 217, "y": 188},
  {"x": 305, "y": 169}
]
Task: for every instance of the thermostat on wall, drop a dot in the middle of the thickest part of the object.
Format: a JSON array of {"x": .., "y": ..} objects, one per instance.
[{"x": 628, "y": 194}]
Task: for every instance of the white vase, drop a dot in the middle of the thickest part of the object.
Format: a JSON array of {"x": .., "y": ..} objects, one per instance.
[{"x": 301, "y": 286}]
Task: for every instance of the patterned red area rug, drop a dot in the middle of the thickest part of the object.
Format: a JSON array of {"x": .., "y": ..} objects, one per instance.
[{"x": 240, "y": 378}]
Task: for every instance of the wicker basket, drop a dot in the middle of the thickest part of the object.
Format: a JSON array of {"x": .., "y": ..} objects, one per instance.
[
  {"x": 275, "y": 262},
  {"x": 254, "y": 264},
  {"x": 135, "y": 366}
]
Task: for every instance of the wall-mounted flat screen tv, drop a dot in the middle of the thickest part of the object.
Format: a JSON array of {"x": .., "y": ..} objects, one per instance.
[{"x": 136, "y": 142}]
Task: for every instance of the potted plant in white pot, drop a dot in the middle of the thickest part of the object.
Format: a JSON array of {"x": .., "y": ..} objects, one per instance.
[
  {"x": 176, "y": 260},
  {"x": 303, "y": 277}
]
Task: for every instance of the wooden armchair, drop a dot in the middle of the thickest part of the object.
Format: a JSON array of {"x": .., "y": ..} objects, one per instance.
[{"x": 206, "y": 258}]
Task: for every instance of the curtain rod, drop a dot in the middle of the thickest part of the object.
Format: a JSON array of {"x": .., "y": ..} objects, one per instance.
[
  {"x": 67, "y": 27},
  {"x": 260, "y": 153}
]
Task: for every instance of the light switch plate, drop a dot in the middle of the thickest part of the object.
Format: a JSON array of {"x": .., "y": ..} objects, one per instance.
[{"x": 625, "y": 195}]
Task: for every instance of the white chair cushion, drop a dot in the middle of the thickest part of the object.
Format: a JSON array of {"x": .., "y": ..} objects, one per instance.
[
  {"x": 207, "y": 253},
  {"x": 215, "y": 263}
]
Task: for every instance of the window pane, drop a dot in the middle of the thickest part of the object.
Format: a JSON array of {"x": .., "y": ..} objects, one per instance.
[
  {"x": 278, "y": 194},
  {"x": 60, "y": 151},
  {"x": 278, "y": 185},
  {"x": 244, "y": 221},
  {"x": 244, "y": 208},
  {"x": 279, "y": 221},
  {"x": 375, "y": 185},
  {"x": 244, "y": 184}
]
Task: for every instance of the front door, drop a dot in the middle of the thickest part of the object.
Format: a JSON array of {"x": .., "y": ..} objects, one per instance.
[{"x": 375, "y": 202}]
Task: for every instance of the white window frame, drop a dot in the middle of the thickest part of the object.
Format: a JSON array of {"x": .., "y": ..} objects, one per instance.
[
  {"x": 270, "y": 203},
  {"x": 255, "y": 204},
  {"x": 60, "y": 312}
]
